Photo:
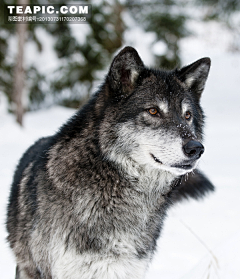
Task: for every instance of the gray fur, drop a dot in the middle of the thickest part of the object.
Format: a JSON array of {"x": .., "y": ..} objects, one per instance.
[{"x": 90, "y": 201}]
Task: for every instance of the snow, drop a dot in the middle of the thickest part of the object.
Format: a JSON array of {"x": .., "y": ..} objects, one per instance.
[{"x": 201, "y": 239}]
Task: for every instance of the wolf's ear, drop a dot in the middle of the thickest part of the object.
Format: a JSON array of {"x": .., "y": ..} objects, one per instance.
[
  {"x": 124, "y": 72},
  {"x": 195, "y": 75}
]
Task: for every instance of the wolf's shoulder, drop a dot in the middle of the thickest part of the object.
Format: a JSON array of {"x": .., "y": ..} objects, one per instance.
[{"x": 35, "y": 152}]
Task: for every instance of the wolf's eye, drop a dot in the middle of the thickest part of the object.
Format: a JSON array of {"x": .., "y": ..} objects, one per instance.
[
  {"x": 188, "y": 115},
  {"x": 153, "y": 111}
]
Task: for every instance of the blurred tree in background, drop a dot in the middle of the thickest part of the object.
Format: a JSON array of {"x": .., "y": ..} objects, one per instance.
[
  {"x": 84, "y": 60},
  {"x": 81, "y": 62},
  {"x": 167, "y": 20},
  {"x": 12, "y": 69},
  {"x": 228, "y": 12},
  {"x": 6, "y": 66}
]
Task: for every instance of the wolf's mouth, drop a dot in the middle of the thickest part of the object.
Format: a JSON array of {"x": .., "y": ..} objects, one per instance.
[
  {"x": 185, "y": 167},
  {"x": 180, "y": 166},
  {"x": 156, "y": 159}
]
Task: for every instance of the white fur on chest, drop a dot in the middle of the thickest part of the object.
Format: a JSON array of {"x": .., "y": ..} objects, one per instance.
[{"x": 70, "y": 265}]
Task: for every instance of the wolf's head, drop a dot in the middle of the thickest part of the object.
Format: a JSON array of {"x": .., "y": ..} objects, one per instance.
[{"x": 153, "y": 117}]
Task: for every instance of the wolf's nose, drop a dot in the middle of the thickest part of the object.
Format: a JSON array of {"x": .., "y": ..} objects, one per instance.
[{"x": 193, "y": 148}]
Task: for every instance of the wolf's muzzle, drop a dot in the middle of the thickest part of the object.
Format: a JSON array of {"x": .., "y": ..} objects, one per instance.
[{"x": 193, "y": 149}]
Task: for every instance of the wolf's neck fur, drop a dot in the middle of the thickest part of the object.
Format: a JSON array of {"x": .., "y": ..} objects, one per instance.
[{"x": 144, "y": 178}]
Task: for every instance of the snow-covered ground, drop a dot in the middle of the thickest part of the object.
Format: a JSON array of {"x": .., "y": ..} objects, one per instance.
[{"x": 201, "y": 239}]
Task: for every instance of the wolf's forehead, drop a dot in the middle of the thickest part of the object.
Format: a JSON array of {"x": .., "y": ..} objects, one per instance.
[
  {"x": 165, "y": 90},
  {"x": 186, "y": 105},
  {"x": 167, "y": 106},
  {"x": 163, "y": 105},
  {"x": 165, "y": 84}
]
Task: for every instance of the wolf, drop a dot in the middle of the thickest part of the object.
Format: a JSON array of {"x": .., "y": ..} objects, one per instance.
[{"x": 89, "y": 202}]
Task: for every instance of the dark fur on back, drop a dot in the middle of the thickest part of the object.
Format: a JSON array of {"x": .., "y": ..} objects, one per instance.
[{"x": 81, "y": 206}]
